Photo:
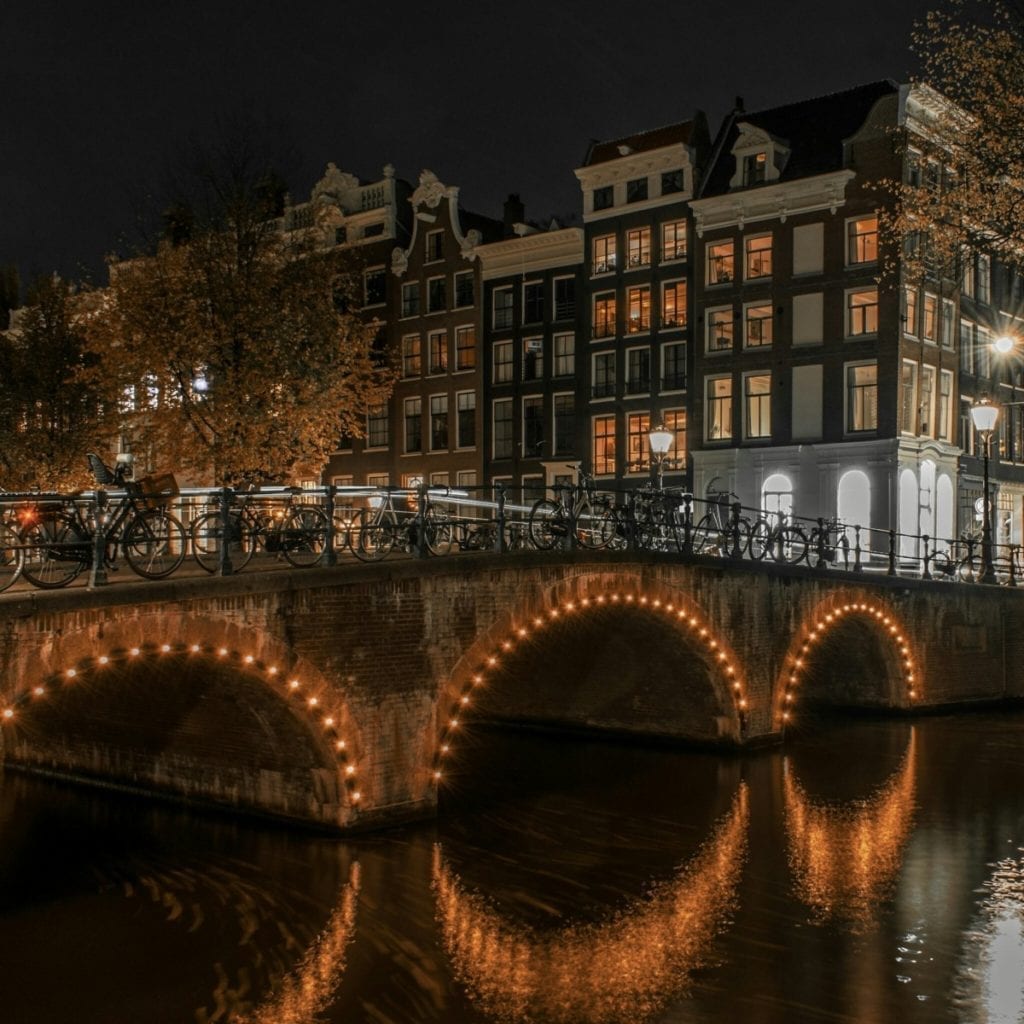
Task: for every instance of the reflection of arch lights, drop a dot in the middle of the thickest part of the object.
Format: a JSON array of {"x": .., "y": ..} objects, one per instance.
[
  {"x": 673, "y": 611},
  {"x": 826, "y": 620},
  {"x": 623, "y": 969},
  {"x": 306, "y": 992},
  {"x": 844, "y": 858},
  {"x": 247, "y": 663}
]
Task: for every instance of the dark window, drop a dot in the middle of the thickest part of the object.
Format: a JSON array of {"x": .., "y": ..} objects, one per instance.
[
  {"x": 438, "y": 422},
  {"x": 372, "y": 230},
  {"x": 466, "y": 426},
  {"x": 377, "y": 428},
  {"x": 636, "y": 190},
  {"x": 374, "y": 282},
  {"x": 638, "y": 371},
  {"x": 565, "y": 424},
  {"x": 410, "y": 298},
  {"x": 565, "y": 298},
  {"x": 533, "y": 427},
  {"x": 502, "y": 308},
  {"x": 533, "y": 302},
  {"x": 435, "y": 244},
  {"x": 674, "y": 367},
  {"x": 604, "y": 198},
  {"x": 604, "y": 375},
  {"x": 464, "y": 289},
  {"x": 671, "y": 181},
  {"x": 413, "y": 425},
  {"x": 437, "y": 298},
  {"x": 503, "y": 436}
]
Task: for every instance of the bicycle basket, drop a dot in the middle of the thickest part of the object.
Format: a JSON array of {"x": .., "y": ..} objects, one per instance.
[
  {"x": 157, "y": 490},
  {"x": 100, "y": 470}
]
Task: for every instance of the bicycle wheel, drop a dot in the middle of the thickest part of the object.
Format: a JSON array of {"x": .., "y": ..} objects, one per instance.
[
  {"x": 376, "y": 537},
  {"x": 12, "y": 556},
  {"x": 207, "y": 538},
  {"x": 703, "y": 532},
  {"x": 595, "y": 527},
  {"x": 304, "y": 535},
  {"x": 547, "y": 524},
  {"x": 55, "y": 551},
  {"x": 761, "y": 540},
  {"x": 154, "y": 544},
  {"x": 794, "y": 544},
  {"x": 438, "y": 532}
]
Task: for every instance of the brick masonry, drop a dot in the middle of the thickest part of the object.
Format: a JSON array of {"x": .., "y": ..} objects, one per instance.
[{"x": 384, "y": 655}]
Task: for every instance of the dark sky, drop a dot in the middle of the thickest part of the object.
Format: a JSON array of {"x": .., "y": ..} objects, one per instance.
[{"x": 493, "y": 97}]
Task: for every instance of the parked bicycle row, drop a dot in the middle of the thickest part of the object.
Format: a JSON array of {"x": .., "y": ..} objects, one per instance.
[{"x": 50, "y": 540}]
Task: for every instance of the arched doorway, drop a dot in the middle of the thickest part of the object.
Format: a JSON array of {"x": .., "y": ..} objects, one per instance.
[
  {"x": 909, "y": 514},
  {"x": 777, "y": 495},
  {"x": 853, "y": 504},
  {"x": 945, "y": 526}
]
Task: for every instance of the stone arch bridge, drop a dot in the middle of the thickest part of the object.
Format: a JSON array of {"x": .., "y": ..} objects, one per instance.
[{"x": 340, "y": 697}]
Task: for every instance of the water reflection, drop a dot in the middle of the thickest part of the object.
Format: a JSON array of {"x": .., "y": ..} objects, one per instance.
[
  {"x": 990, "y": 979},
  {"x": 844, "y": 858},
  {"x": 308, "y": 989},
  {"x": 623, "y": 969}
]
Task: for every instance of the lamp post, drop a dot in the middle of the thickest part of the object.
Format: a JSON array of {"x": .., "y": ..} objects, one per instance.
[
  {"x": 660, "y": 441},
  {"x": 985, "y": 415}
]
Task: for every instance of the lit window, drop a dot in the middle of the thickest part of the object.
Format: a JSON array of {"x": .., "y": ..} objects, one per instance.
[
  {"x": 411, "y": 359},
  {"x": 673, "y": 240},
  {"x": 604, "y": 254},
  {"x": 908, "y": 397},
  {"x": 465, "y": 348},
  {"x": 638, "y": 247},
  {"x": 673, "y": 304},
  {"x": 604, "y": 445},
  {"x": 754, "y": 168},
  {"x": 719, "y": 329},
  {"x": 862, "y": 240},
  {"x": 758, "y": 326},
  {"x": 638, "y": 309},
  {"x": 565, "y": 355},
  {"x": 718, "y": 419},
  {"x": 862, "y": 397},
  {"x": 720, "y": 257},
  {"x": 638, "y": 426},
  {"x": 675, "y": 421},
  {"x": 502, "y": 362},
  {"x": 604, "y": 315},
  {"x": 861, "y": 312},
  {"x": 927, "y": 423},
  {"x": 758, "y": 257},
  {"x": 930, "y": 326},
  {"x": 910, "y": 311},
  {"x": 437, "y": 342}
]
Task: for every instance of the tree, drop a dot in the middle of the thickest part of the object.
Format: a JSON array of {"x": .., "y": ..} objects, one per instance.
[
  {"x": 967, "y": 192},
  {"x": 50, "y": 414},
  {"x": 228, "y": 343}
]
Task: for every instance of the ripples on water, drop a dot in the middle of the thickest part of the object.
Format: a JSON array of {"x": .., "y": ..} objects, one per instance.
[{"x": 871, "y": 873}]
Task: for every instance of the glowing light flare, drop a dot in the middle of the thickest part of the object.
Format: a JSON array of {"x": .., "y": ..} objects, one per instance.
[{"x": 134, "y": 652}]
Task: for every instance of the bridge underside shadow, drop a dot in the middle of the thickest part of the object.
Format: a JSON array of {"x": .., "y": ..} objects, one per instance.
[
  {"x": 610, "y": 670},
  {"x": 181, "y": 727}
]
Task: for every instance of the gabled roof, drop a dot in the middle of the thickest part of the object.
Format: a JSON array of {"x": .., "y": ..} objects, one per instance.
[
  {"x": 813, "y": 130},
  {"x": 655, "y": 138}
]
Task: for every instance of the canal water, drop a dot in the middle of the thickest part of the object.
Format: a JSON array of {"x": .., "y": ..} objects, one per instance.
[{"x": 872, "y": 872}]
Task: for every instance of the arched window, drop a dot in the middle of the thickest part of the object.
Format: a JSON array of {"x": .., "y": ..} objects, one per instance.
[
  {"x": 945, "y": 526},
  {"x": 853, "y": 505},
  {"x": 910, "y": 511},
  {"x": 777, "y": 494},
  {"x": 926, "y": 522}
]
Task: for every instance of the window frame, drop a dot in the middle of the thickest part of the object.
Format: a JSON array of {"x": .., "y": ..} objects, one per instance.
[
  {"x": 498, "y": 371},
  {"x": 849, "y": 308},
  {"x": 851, "y": 390},
  {"x": 711, "y": 320},
  {"x": 753, "y": 255},
  {"x": 709, "y": 381}
]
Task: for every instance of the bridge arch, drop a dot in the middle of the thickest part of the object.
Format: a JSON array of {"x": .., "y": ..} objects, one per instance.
[
  {"x": 573, "y": 599},
  {"x": 290, "y": 693},
  {"x": 808, "y": 650}
]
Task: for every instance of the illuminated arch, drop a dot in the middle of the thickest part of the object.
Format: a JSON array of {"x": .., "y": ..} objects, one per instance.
[
  {"x": 853, "y": 503},
  {"x": 618, "y": 970},
  {"x": 485, "y": 656},
  {"x": 326, "y": 717},
  {"x": 824, "y": 618},
  {"x": 845, "y": 857},
  {"x": 777, "y": 494}
]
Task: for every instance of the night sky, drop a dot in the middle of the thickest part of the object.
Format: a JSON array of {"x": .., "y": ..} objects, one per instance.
[{"x": 495, "y": 98}]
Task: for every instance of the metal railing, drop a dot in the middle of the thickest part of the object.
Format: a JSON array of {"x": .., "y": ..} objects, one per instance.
[{"x": 226, "y": 531}]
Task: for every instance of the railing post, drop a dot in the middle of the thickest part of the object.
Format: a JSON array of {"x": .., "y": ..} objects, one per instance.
[
  {"x": 1012, "y": 581},
  {"x": 499, "y": 540},
  {"x": 224, "y": 566},
  {"x": 687, "y": 524},
  {"x": 857, "y": 567},
  {"x": 631, "y": 530},
  {"x": 970, "y": 558},
  {"x": 822, "y": 541},
  {"x": 926, "y": 575},
  {"x": 892, "y": 553},
  {"x": 330, "y": 554},
  {"x": 98, "y": 569},
  {"x": 572, "y": 540},
  {"x": 734, "y": 529},
  {"x": 419, "y": 549}
]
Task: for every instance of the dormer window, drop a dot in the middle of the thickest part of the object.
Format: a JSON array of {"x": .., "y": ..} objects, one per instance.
[
  {"x": 754, "y": 168},
  {"x": 760, "y": 157}
]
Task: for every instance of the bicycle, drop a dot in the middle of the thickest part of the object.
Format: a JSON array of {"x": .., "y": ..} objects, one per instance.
[
  {"x": 775, "y": 535},
  {"x": 658, "y": 518},
  {"x": 827, "y": 540},
  {"x": 950, "y": 563},
  {"x": 12, "y": 550},
  {"x": 715, "y": 529},
  {"x": 59, "y": 537},
  {"x": 384, "y": 527},
  {"x": 297, "y": 532},
  {"x": 576, "y": 510}
]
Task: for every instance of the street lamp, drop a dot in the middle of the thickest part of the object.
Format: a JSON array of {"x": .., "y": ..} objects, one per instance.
[
  {"x": 985, "y": 415},
  {"x": 660, "y": 440},
  {"x": 1004, "y": 344}
]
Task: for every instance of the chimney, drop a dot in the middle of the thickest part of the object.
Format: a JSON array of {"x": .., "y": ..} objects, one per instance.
[{"x": 515, "y": 213}]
